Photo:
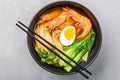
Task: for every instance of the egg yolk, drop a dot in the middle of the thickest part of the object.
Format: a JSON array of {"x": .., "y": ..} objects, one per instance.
[{"x": 69, "y": 33}]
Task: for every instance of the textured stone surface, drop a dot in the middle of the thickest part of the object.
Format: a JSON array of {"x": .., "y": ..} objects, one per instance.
[{"x": 17, "y": 64}]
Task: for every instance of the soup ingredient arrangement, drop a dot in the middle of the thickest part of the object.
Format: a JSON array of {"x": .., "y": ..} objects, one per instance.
[{"x": 69, "y": 31}]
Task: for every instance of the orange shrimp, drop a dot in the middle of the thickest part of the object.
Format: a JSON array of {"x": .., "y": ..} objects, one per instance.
[
  {"x": 57, "y": 21},
  {"x": 51, "y": 15},
  {"x": 82, "y": 20}
]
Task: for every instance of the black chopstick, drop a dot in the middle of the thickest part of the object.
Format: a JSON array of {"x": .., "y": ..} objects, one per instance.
[
  {"x": 74, "y": 68},
  {"x": 79, "y": 66}
]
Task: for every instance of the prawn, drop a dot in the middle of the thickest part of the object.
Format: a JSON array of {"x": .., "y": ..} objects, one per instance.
[
  {"x": 84, "y": 22},
  {"x": 50, "y": 16},
  {"x": 69, "y": 22},
  {"x": 57, "y": 21}
]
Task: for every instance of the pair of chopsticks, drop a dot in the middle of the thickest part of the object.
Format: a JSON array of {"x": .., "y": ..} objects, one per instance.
[{"x": 32, "y": 33}]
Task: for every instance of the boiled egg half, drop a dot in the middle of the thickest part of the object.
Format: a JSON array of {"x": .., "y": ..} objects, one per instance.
[{"x": 67, "y": 35}]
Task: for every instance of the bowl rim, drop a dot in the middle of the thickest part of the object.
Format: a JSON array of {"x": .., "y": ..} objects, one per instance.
[{"x": 42, "y": 10}]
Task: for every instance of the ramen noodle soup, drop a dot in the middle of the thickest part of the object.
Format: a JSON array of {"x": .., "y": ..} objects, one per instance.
[{"x": 69, "y": 31}]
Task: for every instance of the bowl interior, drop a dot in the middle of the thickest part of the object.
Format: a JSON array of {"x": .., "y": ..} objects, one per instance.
[{"x": 95, "y": 49}]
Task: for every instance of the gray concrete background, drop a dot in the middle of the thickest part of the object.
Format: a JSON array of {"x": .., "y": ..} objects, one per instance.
[{"x": 16, "y": 62}]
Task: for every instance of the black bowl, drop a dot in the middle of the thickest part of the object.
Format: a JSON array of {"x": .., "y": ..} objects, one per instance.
[{"x": 97, "y": 43}]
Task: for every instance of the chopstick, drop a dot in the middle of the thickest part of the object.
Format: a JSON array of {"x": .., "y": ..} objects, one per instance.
[{"x": 74, "y": 68}]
